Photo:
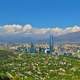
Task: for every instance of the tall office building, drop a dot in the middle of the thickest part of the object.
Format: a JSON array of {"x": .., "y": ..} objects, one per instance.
[{"x": 51, "y": 44}]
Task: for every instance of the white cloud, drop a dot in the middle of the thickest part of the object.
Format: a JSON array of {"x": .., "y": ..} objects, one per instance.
[
  {"x": 72, "y": 29},
  {"x": 75, "y": 28},
  {"x": 28, "y": 29},
  {"x": 12, "y": 28},
  {"x": 57, "y": 31},
  {"x": 41, "y": 31}
]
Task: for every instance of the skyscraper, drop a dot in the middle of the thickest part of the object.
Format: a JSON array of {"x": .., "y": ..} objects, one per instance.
[{"x": 51, "y": 43}]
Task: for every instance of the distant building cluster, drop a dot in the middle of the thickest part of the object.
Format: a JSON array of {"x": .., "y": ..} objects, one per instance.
[
  {"x": 62, "y": 49},
  {"x": 44, "y": 47}
]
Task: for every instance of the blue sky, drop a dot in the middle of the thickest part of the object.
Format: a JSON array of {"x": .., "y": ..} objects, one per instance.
[{"x": 40, "y": 13}]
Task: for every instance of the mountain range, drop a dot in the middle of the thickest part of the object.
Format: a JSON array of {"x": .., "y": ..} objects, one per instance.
[{"x": 23, "y": 38}]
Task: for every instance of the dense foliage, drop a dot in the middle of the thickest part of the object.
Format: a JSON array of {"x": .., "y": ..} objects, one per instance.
[{"x": 22, "y": 66}]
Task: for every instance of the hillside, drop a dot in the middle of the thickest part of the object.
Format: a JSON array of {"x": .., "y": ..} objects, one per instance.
[{"x": 39, "y": 67}]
